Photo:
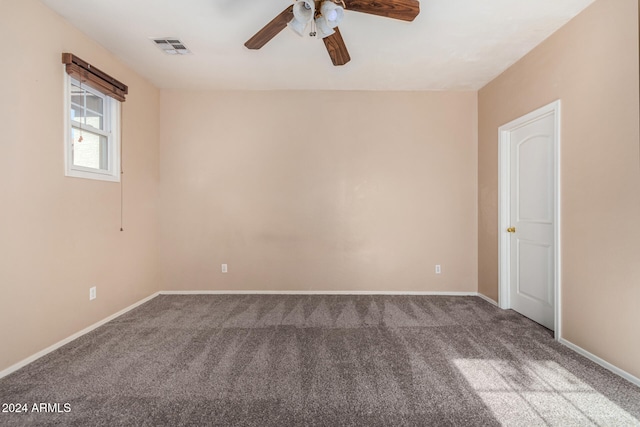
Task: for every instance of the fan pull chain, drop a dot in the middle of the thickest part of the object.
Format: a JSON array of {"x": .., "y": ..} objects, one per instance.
[
  {"x": 84, "y": 107},
  {"x": 313, "y": 28}
]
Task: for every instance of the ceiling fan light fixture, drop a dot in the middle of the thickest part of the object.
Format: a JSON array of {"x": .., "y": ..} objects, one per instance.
[
  {"x": 323, "y": 30},
  {"x": 332, "y": 13},
  {"x": 303, "y": 12},
  {"x": 298, "y": 26},
  {"x": 330, "y": 17}
]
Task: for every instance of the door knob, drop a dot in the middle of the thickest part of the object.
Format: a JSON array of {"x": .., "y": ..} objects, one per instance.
[{"x": 511, "y": 230}]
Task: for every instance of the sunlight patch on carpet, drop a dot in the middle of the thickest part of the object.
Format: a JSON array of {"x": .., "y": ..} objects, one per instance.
[{"x": 539, "y": 393}]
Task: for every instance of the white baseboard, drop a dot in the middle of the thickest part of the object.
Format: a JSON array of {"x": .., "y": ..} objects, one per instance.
[
  {"x": 67, "y": 340},
  {"x": 487, "y": 299},
  {"x": 457, "y": 294},
  {"x": 624, "y": 374}
]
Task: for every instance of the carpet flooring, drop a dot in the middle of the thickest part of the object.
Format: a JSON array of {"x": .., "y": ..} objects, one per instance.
[{"x": 258, "y": 360}]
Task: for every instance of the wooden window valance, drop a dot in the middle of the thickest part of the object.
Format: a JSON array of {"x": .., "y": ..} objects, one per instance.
[{"x": 93, "y": 77}]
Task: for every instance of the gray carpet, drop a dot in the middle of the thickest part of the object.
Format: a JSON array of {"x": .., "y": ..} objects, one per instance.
[{"x": 258, "y": 360}]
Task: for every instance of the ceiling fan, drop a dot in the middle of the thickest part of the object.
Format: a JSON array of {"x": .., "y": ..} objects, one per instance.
[{"x": 324, "y": 17}]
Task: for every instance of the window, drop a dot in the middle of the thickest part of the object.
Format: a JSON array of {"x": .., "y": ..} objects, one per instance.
[
  {"x": 92, "y": 145},
  {"x": 92, "y": 121}
]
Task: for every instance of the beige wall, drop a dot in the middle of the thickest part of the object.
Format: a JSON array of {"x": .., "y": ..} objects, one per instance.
[
  {"x": 356, "y": 191},
  {"x": 591, "y": 64},
  {"x": 58, "y": 235}
]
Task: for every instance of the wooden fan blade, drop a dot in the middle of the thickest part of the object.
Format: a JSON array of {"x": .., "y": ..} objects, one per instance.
[
  {"x": 336, "y": 48},
  {"x": 270, "y": 30},
  {"x": 405, "y": 10}
]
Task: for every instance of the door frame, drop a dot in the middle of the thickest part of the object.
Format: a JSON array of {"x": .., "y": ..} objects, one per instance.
[{"x": 504, "y": 196}]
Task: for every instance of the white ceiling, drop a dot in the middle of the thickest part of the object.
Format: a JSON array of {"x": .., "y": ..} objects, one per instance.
[{"x": 451, "y": 45}]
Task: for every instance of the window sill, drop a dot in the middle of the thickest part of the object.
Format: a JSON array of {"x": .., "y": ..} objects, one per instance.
[{"x": 91, "y": 175}]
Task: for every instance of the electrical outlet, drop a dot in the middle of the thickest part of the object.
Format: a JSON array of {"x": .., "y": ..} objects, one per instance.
[
  {"x": 92, "y": 293},
  {"x": 438, "y": 269},
  {"x": 224, "y": 268}
]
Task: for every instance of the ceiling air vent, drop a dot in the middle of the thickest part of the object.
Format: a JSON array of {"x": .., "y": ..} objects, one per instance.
[{"x": 171, "y": 46}]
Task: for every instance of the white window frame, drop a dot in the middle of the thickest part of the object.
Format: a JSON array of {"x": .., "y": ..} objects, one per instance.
[{"x": 112, "y": 132}]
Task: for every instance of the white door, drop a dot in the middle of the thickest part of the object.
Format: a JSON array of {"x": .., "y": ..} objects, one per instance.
[{"x": 531, "y": 217}]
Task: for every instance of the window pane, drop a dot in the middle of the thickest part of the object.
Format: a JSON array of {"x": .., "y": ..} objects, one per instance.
[
  {"x": 77, "y": 95},
  {"x": 77, "y": 98},
  {"x": 94, "y": 120},
  {"x": 77, "y": 113},
  {"x": 89, "y": 150},
  {"x": 94, "y": 103}
]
